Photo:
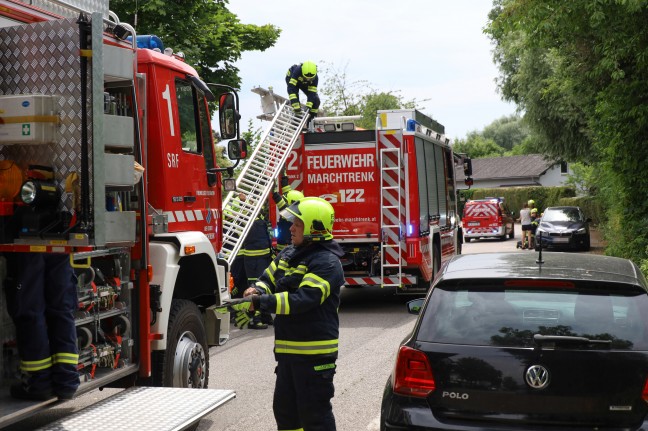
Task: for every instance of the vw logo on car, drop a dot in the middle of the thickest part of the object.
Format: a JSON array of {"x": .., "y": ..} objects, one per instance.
[{"x": 537, "y": 376}]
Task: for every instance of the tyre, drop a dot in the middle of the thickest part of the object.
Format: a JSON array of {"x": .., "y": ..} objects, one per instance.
[
  {"x": 467, "y": 239},
  {"x": 185, "y": 362}
]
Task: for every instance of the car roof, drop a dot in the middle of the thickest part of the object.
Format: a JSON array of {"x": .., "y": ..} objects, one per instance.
[
  {"x": 562, "y": 208},
  {"x": 570, "y": 266},
  {"x": 481, "y": 201}
]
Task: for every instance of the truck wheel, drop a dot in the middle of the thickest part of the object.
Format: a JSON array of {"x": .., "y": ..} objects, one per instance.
[{"x": 185, "y": 362}]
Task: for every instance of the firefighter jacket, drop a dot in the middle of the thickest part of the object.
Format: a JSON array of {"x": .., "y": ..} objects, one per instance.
[
  {"x": 283, "y": 225},
  {"x": 296, "y": 82},
  {"x": 302, "y": 286},
  {"x": 257, "y": 242}
]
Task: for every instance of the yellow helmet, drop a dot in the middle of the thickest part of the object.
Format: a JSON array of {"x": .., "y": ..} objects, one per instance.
[
  {"x": 531, "y": 203},
  {"x": 309, "y": 70},
  {"x": 317, "y": 214},
  {"x": 294, "y": 196}
]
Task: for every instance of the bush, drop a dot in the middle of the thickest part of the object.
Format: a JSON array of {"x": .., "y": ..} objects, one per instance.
[
  {"x": 590, "y": 206},
  {"x": 515, "y": 197}
]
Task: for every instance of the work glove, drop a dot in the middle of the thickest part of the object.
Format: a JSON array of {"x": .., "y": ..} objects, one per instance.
[
  {"x": 276, "y": 197},
  {"x": 241, "y": 309}
]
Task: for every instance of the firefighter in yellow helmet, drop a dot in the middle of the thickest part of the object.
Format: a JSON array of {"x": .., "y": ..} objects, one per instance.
[
  {"x": 284, "y": 197},
  {"x": 302, "y": 287},
  {"x": 303, "y": 77}
]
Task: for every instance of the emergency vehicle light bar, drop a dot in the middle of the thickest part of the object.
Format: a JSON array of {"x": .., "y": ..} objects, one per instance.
[{"x": 148, "y": 41}]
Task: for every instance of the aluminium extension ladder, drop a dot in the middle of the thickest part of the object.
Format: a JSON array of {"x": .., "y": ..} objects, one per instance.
[
  {"x": 257, "y": 178},
  {"x": 391, "y": 212}
]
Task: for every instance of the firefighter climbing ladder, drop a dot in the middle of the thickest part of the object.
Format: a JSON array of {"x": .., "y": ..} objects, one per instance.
[
  {"x": 257, "y": 177},
  {"x": 392, "y": 214}
]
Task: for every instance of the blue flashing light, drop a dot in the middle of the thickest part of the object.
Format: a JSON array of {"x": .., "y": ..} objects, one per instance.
[
  {"x": 148, "y": 41},
  {"x": 411, "y": 125},
  {"x": 276, "y": 232},
  {"x": 409, "y": 229}
]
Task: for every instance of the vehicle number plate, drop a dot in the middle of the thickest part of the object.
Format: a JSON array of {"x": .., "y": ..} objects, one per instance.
[
  {"x": 561, "y": 240},
  {"x": 473, "y": 223}
]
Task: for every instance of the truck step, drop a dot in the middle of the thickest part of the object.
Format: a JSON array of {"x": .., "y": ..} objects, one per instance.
[{"x": 144, "y": 409}]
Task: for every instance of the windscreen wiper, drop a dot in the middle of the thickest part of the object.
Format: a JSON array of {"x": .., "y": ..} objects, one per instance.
[{"x": 566, "y": 339}]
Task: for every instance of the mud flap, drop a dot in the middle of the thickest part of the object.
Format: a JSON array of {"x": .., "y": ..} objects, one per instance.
[{"x": 217, "y": 326}]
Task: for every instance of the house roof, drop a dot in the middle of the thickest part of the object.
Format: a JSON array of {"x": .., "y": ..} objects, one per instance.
[{"x": 527, "y": 166}]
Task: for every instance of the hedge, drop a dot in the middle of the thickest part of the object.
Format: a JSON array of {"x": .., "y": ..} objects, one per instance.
[{"x": 544, "y": 197}]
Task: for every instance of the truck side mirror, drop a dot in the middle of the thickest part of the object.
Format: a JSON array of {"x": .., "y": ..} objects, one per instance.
[
  {"x": 467, "y": 165},
  {"x": 228, "y": 116},
  {"x": 237, "y": 149}
]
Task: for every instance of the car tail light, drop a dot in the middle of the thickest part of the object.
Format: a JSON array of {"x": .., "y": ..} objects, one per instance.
[
  {"x": 413, "y": 374},
  {"x": 644, "y": 394}
]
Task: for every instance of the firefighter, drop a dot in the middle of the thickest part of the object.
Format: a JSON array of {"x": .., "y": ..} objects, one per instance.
[
  {"x": 535, "y": 221},
  {"x": 257, "y": 256},
  {"x": 237, "y": 269},
  {"x": 42, "y": 299},
  {"x": 302, "y": 287},
  {"x": 303, "y": 77},
  {"x": 285, "y": 197}
]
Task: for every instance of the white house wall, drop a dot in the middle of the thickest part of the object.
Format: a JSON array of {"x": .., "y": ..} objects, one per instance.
[{"x": 553, "y": 177}]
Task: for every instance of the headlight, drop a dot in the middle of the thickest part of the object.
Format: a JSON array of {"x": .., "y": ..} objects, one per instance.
[
  {"x": 541, "y": 232},
  {"x": 28, "y": 192},
  {"x": 39, "y": 193},
  {"x": 580, "y": 231}
]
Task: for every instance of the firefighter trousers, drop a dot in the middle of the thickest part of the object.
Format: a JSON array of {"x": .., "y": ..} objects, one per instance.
[
  {"x": 302, "y": 396},
  {"x": 41, "y": 299}
]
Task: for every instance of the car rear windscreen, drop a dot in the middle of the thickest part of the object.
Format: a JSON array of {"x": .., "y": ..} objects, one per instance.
[{"x": 501, "y": 315}]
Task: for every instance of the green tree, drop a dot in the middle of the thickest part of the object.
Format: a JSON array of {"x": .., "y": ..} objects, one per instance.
[
  {"x": 579, "y": 71},
  {"x": 342, "y": 96},
  {"x": 211, "y": 37},
  {"x": 477, "y": 147},
  {"x": 507, "y": 132}
]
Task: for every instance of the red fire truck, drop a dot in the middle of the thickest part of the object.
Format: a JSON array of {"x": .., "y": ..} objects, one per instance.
[
  {"x": 394, "y": 195},
  {"x": 107, "y": 154}
]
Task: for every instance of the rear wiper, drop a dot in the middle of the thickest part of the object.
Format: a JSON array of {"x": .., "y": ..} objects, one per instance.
[{"x": 565, "y": 339}]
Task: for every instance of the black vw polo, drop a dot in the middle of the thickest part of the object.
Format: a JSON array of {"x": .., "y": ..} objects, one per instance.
[{"x": 521, "y": 341}]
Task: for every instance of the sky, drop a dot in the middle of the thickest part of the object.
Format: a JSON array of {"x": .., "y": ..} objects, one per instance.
[{"x": 420, "y": 49}]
